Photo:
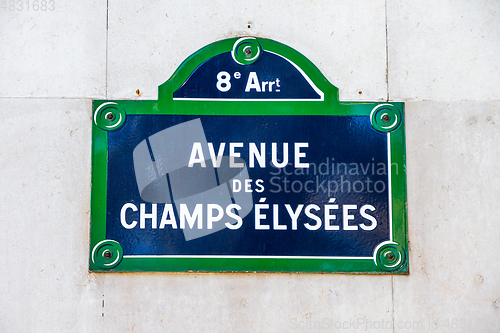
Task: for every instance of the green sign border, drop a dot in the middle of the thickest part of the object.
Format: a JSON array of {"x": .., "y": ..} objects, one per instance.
[{"x": 107, "y": 255}]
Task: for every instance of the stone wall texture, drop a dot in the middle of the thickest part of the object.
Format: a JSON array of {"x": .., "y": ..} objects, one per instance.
[{"x": 439, "y": 57}]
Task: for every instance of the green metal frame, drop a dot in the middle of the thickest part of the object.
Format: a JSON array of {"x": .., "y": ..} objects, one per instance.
[{"x": 382, "y": 263}]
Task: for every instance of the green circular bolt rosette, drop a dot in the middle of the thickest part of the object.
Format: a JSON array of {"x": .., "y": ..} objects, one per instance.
[
  {"x": 246, "y": 50},
  {"x": 109, "y": 116},
  {"x": 385, "y": 117},
  {"x": 391, "y": 257},
  {"x": 107, "y": 254}
]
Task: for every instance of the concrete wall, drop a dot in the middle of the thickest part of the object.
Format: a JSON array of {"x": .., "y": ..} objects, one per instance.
[{"x": 440, "y": 57}]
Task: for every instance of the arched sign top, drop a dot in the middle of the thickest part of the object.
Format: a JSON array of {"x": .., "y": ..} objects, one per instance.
[{"x": 248, "y": 69}]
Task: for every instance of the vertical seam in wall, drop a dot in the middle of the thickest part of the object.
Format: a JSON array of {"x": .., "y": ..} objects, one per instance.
[
  {"x": 386, "y": 55},
  {"x": 107, "y": 26},
  {"x": 387, "y": 87},
  {"x": 392, "y": 299}
]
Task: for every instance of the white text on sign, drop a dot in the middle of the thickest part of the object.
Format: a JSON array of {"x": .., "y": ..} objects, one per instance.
[
  {"x": 255, "y": 154},
  {"x": 253, "y": 83}
]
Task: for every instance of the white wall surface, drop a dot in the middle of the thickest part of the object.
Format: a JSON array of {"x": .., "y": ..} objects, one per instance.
[{"x": 440, "y": 57}]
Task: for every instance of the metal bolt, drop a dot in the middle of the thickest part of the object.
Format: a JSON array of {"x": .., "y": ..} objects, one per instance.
[
  {"x": 248, "y": 52},
  {"x": 110, "y": 116},
  {"x": 390, "y": 256},
  {"x": 107, "y": 254},
  {"x": 385, "y": 118}
]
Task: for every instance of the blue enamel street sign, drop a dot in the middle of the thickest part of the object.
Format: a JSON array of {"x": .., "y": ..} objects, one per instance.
[{"x": 248, "y": 162}]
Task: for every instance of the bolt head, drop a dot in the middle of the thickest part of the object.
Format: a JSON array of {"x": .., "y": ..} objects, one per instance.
[{"x": 107, "y": 254}]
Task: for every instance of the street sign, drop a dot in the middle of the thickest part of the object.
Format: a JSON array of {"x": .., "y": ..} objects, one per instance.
[{"x": 248, "y": 162}]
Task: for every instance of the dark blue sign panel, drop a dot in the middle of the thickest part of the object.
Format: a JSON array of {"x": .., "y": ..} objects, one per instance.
[
  {"x": 248, "y": 185},
  {"x": 248, "y": 162}
]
